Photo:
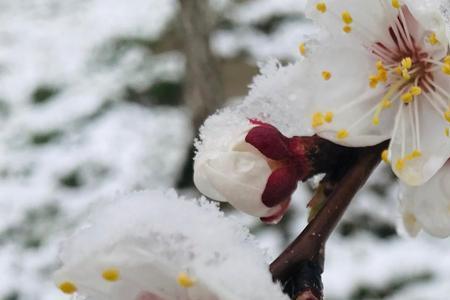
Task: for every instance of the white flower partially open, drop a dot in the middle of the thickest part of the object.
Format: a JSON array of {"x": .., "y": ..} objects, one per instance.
[
  {"x": 228, "y": 169},
  {"x": 236, "y": 172},
  {"x": 156, "y": 246},
  {"x": 427, "y": 207},
  {"x": 382, "y": 74}
]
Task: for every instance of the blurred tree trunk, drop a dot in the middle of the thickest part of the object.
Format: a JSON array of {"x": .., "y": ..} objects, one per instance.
[{"x": 203, "y": 91}]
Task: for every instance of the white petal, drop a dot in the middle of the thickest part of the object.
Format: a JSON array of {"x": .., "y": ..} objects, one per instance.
[
  {"x": 408, "y": 218},
  {"x": 150, "y": 238},
  {"x": 202, "y": 181},
  {"x": 350, "y": 68},
  {"x": 434, "y": 145},
  {"x": 371, "y": 19},
  {"x": 430, "y": 203},
  {"x": 240, "y": 178},
  {"x": 430, "y": 15}
]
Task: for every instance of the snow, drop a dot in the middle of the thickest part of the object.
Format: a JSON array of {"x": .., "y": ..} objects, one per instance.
[
  {"x": 86, "y": 144},
  {"x": 151, "y": 236}
]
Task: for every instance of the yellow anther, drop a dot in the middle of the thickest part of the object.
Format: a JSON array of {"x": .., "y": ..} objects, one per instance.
[
  {"x": 185, "y": 280},
  {"x": 317, "y": 119},
  {"x": 386, "y": 103},
  {"x": 405, "y": 74},
  {"x": 329, "y": 117},
  {"x": 447, "y": 60},
  {"x": 446, "y": 68},
  {"x": 376, "y": 121},
  {"x": 407, "y": 63},
  {"x": 379, "y": 65},
  {"x": 447, "y": 132},
  {"x": 385, "y": 156},
  {"x": 322, "y": 7},
  {"x": 395, "y": 4},
  {"x": 382, "y": 75},
  {"x": 398, "y": 70},
  {"x": 326, "y": 75},
  {"x": 416, "y": 154},
  {"x": 400, "y": 164},
  {"x": 111, "y": 274},
  {"x": 347, "y": 17},
  {"x": 373, "y": 81},
  {"x": 68, "y": 287},
  {"x": 347, "y": 29},
  {"x": 302, "y": 49},
  {"x": 342, "y": 134},
  {"x": 415, "y": 90},
  {"x": 407, "y": 98},
  {"x": 432, "y": 39},
  {"x": 447, "y": 115}
]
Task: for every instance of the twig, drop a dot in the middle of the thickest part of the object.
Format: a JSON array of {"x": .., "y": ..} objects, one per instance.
[{"x": 308, "y": 247}]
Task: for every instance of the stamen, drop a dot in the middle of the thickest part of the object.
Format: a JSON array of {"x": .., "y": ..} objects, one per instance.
[
  {"x": 396, "y": 125},
  {"x": 321, "y": 7},
  {"x": 111, "y": 274},
  {"x": 373, "y": 81},
  {"x": 405, "y": 74},
  {"x": 415, "y": 90},
  {"x": 347, "y": 29},
  {"x": 329, "y": 117},
  {"x": 184, "y": 280},
  {"x": 317, "y": 120},
  {"x": 432, "y": 39},
  {"x": 302, "y": 49},
  {"x": 446, "y": 69},
  {"x": 447, "y": 115},
  {"x": 447, "y": 59},
  {"x": 68, "y": 287},
  {"x": 407, "y": 98},
  {"x": 433, "y": 104},
  {"x": 385, "y": 156},
  {"x": 395, "y": 4},
  {"x": 406, "y": 63},
  {"x": 326, "y": 75},
  {"x": 385, "y": 102},
  {"x": 400, "y": 164},
  {"x": 342, "y": 134},
  {"x": 405, "y": 29},
  {"x": 347, "y": 17}
]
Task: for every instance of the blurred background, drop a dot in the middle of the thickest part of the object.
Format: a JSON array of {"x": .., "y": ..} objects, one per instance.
[{"x": 102, "y": 97}]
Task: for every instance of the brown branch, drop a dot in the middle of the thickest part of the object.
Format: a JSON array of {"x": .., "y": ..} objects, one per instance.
[
  {"x": 203, "y": 88},
  {"x": 309, "y": 245}
]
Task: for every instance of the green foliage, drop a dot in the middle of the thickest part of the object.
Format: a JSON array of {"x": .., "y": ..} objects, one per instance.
[
  {"x": 46, "y": 137},
  {"x": 44, "y": 93}
]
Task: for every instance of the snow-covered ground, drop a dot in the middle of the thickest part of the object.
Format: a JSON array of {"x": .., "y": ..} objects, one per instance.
[{"x": 69, "y": 138}]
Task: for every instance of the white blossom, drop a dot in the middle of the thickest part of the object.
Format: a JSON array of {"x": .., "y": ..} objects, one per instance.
[
  {"x": 237, "y": 172},
  {"x": 229, "y": 169},
  {"x": 383, "y": 73},
  {"x": 427, "y": 206},
  {"x": 156, "y": 246}
]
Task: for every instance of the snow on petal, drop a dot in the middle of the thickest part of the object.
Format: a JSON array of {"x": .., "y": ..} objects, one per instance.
[
  {"x": 236, "y": 156},
  {"x": 428, "y": 206},
  {"x": 156, "y": 246}
]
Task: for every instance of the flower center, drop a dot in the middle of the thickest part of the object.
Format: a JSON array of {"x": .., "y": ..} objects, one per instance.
[
  {"x": 402, "y": 57},
  {"x": 410, "y": 62}
]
